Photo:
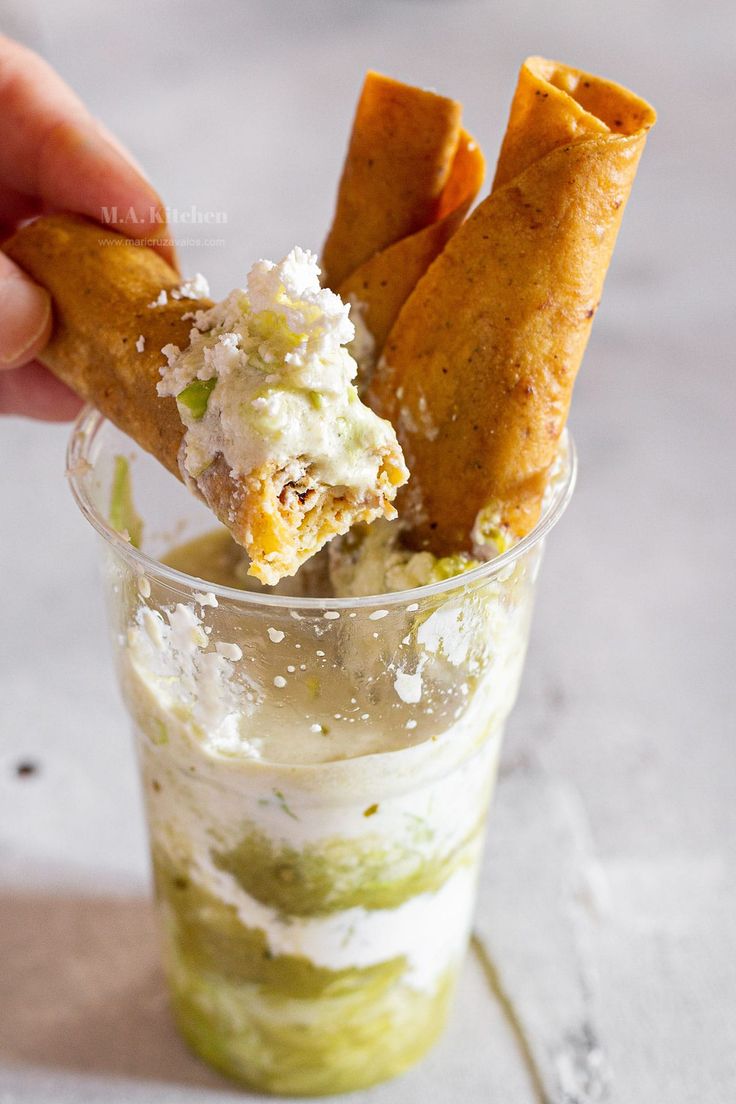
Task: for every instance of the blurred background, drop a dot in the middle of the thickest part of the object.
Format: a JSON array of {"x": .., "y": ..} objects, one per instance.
[{"x": 608, "y": 895}]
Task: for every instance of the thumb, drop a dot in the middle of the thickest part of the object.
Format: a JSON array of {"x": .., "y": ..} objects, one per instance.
[{"x": 25, "y": 316}]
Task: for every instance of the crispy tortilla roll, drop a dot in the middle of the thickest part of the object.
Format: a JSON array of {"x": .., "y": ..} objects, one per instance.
[
  {"x": 410, "y": 176},
  {"x": 401, "y": 152},
  {"x": 379, "y": 287},
  {"x": 102, "y": 285},
  {"x": 554, "y": 105},
  {"x": 106, "y": 293},
  {"x": 479, "y": 368}
]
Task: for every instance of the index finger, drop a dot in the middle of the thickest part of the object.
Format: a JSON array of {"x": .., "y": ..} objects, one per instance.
[{"x": 52, "y": 148}]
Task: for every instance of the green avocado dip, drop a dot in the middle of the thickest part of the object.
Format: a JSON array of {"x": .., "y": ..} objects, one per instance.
[{"x": 279, "y": 1023}]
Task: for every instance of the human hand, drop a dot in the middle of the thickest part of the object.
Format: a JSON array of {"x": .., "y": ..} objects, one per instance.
[{"x": 54, "y": 156}]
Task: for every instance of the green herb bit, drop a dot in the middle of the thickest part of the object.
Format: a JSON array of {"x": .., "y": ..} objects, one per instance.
[
  {"x": 282, "y": 804},
  {"x": 196, "y": 396}
]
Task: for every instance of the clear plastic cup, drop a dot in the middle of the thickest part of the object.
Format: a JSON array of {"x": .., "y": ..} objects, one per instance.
[{"x": 317, "y": 773}]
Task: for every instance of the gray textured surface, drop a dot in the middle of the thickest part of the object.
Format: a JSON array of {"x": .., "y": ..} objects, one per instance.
[{"x": 608, "y": 897}]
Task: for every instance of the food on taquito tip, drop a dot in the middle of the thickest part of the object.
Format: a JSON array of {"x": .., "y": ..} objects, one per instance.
[{"x": 256, "y": 409}]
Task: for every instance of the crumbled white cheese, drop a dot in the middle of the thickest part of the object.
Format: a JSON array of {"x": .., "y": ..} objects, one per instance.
[
  {"x": 162, "y": 299},
  {"x": 283, "y": 391},
  {"x": 140, "y": 343},
  {"x": 174, "y": 652},
  {"x": 409, "y": 687},
  {"x": 196, "y": 288},
  {"x": 207, "y": 599}
]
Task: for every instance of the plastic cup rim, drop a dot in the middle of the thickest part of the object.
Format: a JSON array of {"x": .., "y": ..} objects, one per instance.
[{"x": 90, "y": 423}]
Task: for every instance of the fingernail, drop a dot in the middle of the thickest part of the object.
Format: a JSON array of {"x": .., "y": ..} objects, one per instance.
[
  {"x": 113, "y": 140},
  {"x": 131, "y": 191},
  {"x": 25, "y": 313}
]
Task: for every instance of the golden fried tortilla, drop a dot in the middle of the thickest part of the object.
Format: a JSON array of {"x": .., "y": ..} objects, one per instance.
[
  {"x": 479, "y": 367},
  {"x": 101, "y": 286},
  {"x": 381, "y": 285},
  {"x": 105, "y": 291},
  {"x": 398, "y": 162},
  {"x": 410, "y": 175}
]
